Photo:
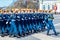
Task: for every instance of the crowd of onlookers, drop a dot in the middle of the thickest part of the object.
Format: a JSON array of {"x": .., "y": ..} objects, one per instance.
[{"x": 13, "y": 10}]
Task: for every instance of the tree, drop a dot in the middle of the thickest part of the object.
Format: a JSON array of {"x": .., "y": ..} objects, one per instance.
[{"x": 27, "y": 4}]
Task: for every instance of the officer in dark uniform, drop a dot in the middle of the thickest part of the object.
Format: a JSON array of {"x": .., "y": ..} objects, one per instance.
[
  {"x": 49, "y": 24},
  {"x": 13, "y": 27},
  {"x": 3, "y": 25},
  {"x": 0, "y": 23}
]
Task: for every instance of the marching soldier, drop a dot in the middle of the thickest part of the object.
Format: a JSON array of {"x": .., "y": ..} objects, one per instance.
[{"x": 49, "y": 24}]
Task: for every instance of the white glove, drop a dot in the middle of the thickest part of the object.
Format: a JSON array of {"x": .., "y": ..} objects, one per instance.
[{"x": 6, "y": 22}]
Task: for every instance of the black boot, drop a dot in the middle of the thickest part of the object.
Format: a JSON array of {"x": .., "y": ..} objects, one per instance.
[
  {"x": 56, "y": 34},
  {"x": 2, "y": 35},
  {"x": 48, "y": 34},
  {"x": 6, "y": 34},
  {"x": 18, "y": 36}
]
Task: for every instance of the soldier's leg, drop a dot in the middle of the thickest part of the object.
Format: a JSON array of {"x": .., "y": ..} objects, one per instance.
[
  {"x": 20, "y": 30},
  {"x": 17, "y": 23},
  {"x": 2, "y": 31},
  {"x": 25, "y": 29},
  {"x": 34, "y": 27},
  {"x": 15, "y": 32},
  {"x": 53, "y": 28},
  {"x": 39, "y": 27},
  {"x": 42, "y": 27},
  {"x": 28, "y": 28},
  {"x": 31, "y": 26},
  {"x": 0, "y": 27},
  {"x": 48, "y": 27},
  {"x": 7, "y": 28},
  {"x": 3, "y": 28},
  {"x": 11, "y": 30}
]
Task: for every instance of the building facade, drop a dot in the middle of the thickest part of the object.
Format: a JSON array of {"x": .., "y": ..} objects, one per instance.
[{"x": 49, "y": 5}]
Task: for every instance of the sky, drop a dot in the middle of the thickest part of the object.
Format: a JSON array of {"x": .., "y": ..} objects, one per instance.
[
  {"x": 50, "y": 0},
  {"x": 5, "y": 3}
]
